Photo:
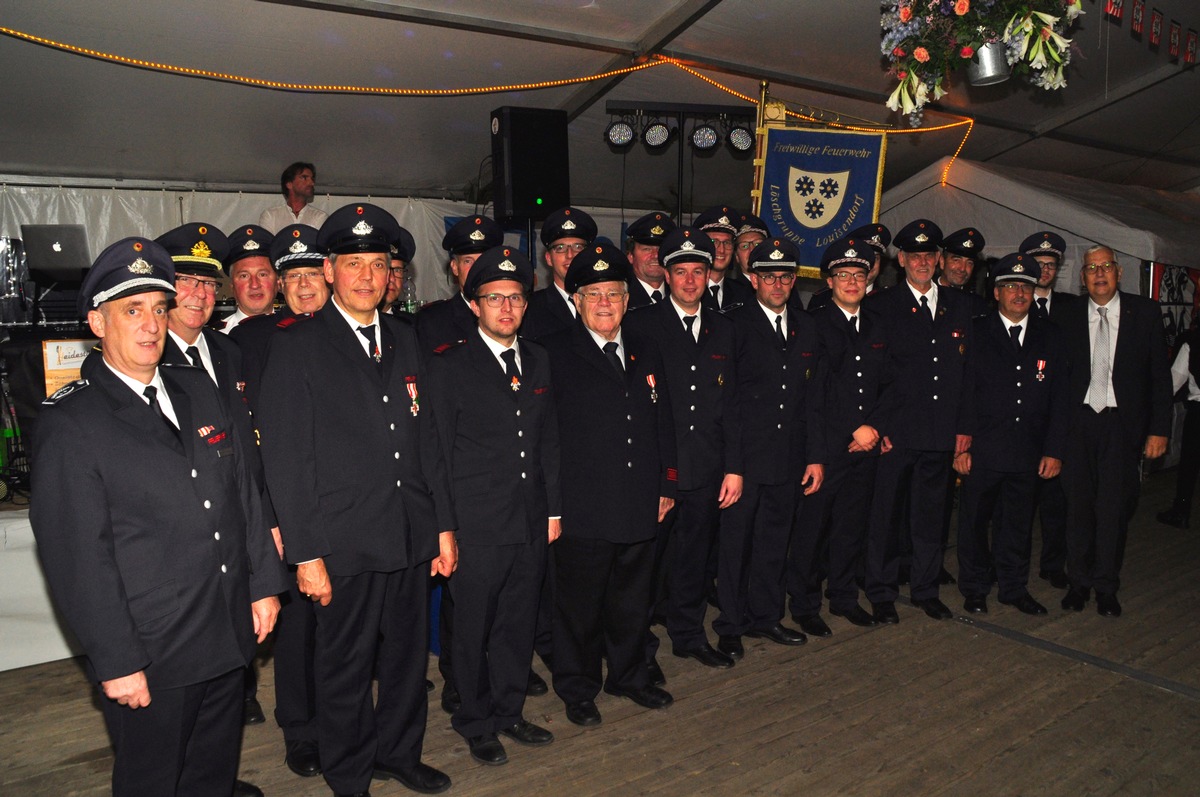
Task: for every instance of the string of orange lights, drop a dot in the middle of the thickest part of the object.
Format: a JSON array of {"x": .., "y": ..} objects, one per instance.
[{"x": 316, "y": 88}]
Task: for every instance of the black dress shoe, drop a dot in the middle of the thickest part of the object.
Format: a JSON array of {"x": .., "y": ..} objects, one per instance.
[
  {"x": 705, "y": 654},
  {"x": 252, "y": 713},
  {"x": 1107, "y": 604},
  {"x": 1075, "y": 599},
  {"x": 647, "y": 696},
  {"x": 243, "y": 789},
  {"x": 779, "y": 634},
  {"x": 934, "y": 608},
  {"x": 1057, "y": 578},
  {"x": 731, "y": 646},
  {"x": 536, "y": 686},
  {"x": 885, "y": 612},
  {"x": 1026, "y": 605},
  {"x": 856, "y": 615},
  {"x": 1173, "y": 517},
  {"x": 813, "y": 625},
  {"x": 526, "y": 732},
  {"x": 655, "y": 673},
  {"x": 585, "y": 713},
  {"x": 944, "y": 577},
  {"x": 487, "y": 750},
  {"x": 421, "y": 778},
  {"x": 303, "y": 758},
  {"x": 451, "y": 702},
  {"x": 975, "y": 605}
]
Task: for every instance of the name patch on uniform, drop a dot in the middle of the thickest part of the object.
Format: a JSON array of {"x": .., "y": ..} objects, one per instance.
[
  {"x": 878, "y": 345},
  {"x": 216, "y": 438},
  {"x": 537, "y": 391},
  {"x": 719, "y": 357},
  {"x": 672, "y": 475},
  {"x": 806, "y": 354}
]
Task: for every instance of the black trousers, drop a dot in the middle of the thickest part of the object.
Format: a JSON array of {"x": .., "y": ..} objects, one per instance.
[
  {"x": 496, "y": 590},
  {"x": 1102, "y": 477},
  {"x": 829, "y": 539},
  {"x": 295, "y": 687},
  {"x": 1003, "y": 501},
  {"x": 920, "y": 478},
  {"x": 186, "y": 743},
  {"x": 602, "y": 596},
  {"x": 1189, "y": 457},
  {"x": 691, "y": 535},
  {"x": 1051, "y": 500},
  {"x": 754, "y": 541},
  {"x": 371, "y": 613}
]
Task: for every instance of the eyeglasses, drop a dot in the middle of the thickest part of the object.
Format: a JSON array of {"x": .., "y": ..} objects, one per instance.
[
  {"x": 1016, "y": 287},
  {"x": 397, "y": 271},
  {"x": 1103, "y": 268},
  {"x": 849, "y": 276},
  {"x": 595, "y": 296},
  {"x": 786, "y": 278},
  {"x": 208, "y": 286},
  {"x": 498, "y": 299},
  {"x": 721, "y": 243},
  {"x": 562, "y": 249},
  {"x": 746, "y": 246},
  {"x": 292, "y": 277}
]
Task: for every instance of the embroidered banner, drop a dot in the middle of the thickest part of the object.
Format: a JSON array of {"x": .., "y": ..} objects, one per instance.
[{"x": 817, "y": 185}]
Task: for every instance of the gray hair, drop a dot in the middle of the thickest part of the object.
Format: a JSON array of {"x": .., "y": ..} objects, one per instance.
[{"x": 1100, "y": 248}]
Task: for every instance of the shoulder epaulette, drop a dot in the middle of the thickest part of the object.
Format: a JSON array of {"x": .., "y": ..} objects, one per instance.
[
  {"x": 65, "y": 390},
  {"x": 287, "y": 322}
]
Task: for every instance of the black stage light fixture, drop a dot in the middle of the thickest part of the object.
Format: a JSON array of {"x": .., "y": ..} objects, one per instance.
[
  {"x": 705, "y": 137},
  {"x": 619, "y": 134},
  {"x": 740, "y": 138},
  {"x": 656, "y": 134}
]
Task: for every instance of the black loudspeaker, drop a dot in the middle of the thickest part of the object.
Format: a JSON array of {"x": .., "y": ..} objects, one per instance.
[{"x": 530, "y": 167}]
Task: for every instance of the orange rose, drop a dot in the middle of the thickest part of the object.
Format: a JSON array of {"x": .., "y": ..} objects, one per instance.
[
  {"x": 921, "y": 54},
  {"x": 905, "y": 13},
  {"x": 962, "y": 6}
]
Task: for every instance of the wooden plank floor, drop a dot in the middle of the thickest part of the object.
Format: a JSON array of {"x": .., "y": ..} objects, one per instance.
[{"x": 1060, "y": 705}]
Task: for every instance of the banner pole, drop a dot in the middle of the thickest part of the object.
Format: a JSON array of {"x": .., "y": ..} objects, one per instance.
[{"x": 760, "y": 144}]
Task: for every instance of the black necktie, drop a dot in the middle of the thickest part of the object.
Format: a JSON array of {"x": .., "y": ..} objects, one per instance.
[
  {"x": 1043, "y": 311},
  {"x": 1014, "y": 332},
  {"x": 656, "y": 296},
  {"x": 151, "y": 394},
  {"x": 368, "y": 332},
  {"x": 511, "y": 372},
  {"x": 193, "y": 354},
  {"x": 853, "y": 325},
  {"x": 610, "y": 351},
  {"x": 925, "y": 307},
  {"x": 715, "y": 290},
  {"x": 689, "y": 321},
  {"x": 779, "y": 330}
]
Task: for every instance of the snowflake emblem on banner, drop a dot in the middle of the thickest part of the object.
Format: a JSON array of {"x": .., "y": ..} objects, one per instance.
[
  {"x": 814, "y": 208},
  {"x": 830, "y": 188},
  {"x": 805, "y": 186}
]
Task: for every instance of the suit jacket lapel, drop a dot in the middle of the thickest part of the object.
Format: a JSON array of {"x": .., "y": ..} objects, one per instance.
[
  {"x": 131, "y": 409},
  {"x": 589, "y": 351},
  {"x": 345, "y": 340},
  {"x": 219, "y": 363},
  {"x": 182, "y": 405}
]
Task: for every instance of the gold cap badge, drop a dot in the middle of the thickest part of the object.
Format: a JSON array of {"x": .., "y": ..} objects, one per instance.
[
  {"x": 200, "y": 249},
  {"x": 656, "y": 230}
]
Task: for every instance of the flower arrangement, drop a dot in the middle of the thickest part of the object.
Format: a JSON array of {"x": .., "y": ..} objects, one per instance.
[{"x": 924, "y": 40}]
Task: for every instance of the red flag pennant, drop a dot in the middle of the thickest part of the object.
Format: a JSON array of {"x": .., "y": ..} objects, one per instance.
[
  {"x": 1137, "y": 21},
  {"x": 1156, "y": 19},
  {"x": 1173, "y": 41},
  {"x": 1115, "y": 8},
  {"x": 1189, "y": 54}
]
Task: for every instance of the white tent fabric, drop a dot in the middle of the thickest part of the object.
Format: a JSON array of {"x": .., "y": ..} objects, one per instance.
[{"x": 1007, "y": 204}]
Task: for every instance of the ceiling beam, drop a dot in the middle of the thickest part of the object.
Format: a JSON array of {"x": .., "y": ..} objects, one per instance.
[{"x": 460, "y": 22}]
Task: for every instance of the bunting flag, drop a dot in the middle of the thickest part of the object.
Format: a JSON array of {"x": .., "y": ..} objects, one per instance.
[
  {"x": 1156, "y": 19},
  {"x": 1173, "y": 42},
  {"x": 1139, "y": 17},
  {"x": 1115, "y": 8},
  {"x": 1189, "y": 55}
]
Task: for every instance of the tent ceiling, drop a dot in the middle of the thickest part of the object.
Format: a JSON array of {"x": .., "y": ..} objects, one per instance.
[{"x": 1127, "y": 115}]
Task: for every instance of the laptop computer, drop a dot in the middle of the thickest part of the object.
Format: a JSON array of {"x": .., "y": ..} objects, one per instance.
[{"x": 56, "y": 252}]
